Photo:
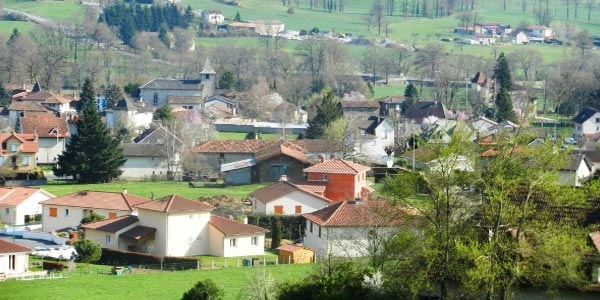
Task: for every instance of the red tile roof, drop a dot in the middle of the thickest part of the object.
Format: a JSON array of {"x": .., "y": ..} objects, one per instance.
[
  {"x": 13, "y": 196},
  {"x": 292, "y": 248},
  {"x": 238, "y": 146},
  {"x": 338, "y": 166},
  {"x": 282, "y": 148},
  {"x": 98, "y": 200},
  {"x": 8, "y": 247},
  {"x": 317, "y": 187},
  {"x": 175, "y": 203},
  {"x": 44, "y": 124},
  {"x": 369, "y": 213},
  {"x": 27, "y": 106},
  {"x": 29, "y": 142},
  {"x": 279, "y": 189},
  {"x": 230, "y": 227},
  {"x": 112, "y": 225}
]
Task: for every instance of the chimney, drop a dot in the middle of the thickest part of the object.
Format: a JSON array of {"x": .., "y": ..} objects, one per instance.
[
  {"x": 245, "y": 220},
  {"x": 283, "y": 178},
  {"x": 321, "y": 157},
  {"x": 124, "y": 192}
]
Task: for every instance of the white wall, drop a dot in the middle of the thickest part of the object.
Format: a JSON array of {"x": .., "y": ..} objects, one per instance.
[
  {"x": 374, "y": 149},
  {"x": 187, "y": 233},
  {"x": 140, "y": 167},
  {"x": 73, "y": 219},
  {"x": 117, "y": 243},
  {"x": 156, "y": 220},
  {"x": 49, "y": 149},
  {"x": 220, "y": 244},
  {"x": 308, "y": 202},
  {"x": 31, "y": 206},
  {"x": 21, "y": 263}
]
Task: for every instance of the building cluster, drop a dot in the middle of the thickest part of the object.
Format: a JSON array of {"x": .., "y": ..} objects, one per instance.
[{"x": 494, "y": 33}]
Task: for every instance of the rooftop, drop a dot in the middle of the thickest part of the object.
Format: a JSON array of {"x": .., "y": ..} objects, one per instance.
[
  {"x": 337, "y": 165},
  {"x": 175, "y": 203},
  {"x": 98, "y": 200},
  {"x": 230, "y": 227}
]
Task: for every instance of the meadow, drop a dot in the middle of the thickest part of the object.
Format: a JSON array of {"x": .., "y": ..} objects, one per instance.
[{"x": 149, "y": 286}]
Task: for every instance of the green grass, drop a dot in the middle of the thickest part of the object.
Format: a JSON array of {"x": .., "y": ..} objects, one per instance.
[
  {"x": 53, "y": 10},
  {"x": 159, "y": 189},
  {"x": 151, "y": 286},
  {"x": 219, "y": 262},
  {"x": 382, "y": 91},
  {"x": 224, "y": 136},
  {"x": 6, "y": 27}
]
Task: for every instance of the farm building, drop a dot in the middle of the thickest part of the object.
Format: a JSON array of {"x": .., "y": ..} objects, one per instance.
[{"x": 292, "y": 254}]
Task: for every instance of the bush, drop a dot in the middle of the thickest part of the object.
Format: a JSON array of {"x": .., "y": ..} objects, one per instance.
[
  {"x": 291, "y": 226},
  {"x": 204, "y": 290},
  {"x": 53, "y": 266},
  {"x": 291, "y": 11}
]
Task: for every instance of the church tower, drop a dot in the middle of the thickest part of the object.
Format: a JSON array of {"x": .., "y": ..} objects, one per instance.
[{"x": 207, "y": 78}]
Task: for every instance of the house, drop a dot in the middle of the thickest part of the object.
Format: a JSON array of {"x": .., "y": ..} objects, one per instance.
[
  {"x": 390, "y": 105},
  {"x": 268, "y": 27},
  {"x": 156, "y": 92},
  {"x": 370, "y": 137},
  {"x": 469, "y": 30},
  {"x": 55, "y": 102},
  {"x": 343, "y": 180},
  {"x": 538, "y": 31},
  {"x": 587, "y": 122},
  {"x": 21, "y": 205},
  {"x": 144, "y": 161},
  {"x": 176, "y": 226},
  {"x": 286, "y": 198},
  {"x": 577, "y": 170},
  {"x": 353, "y": 228},
  {"x": 213, "y": 16},
  {"x": 52, "y": 131},
  {"x": 17, "y": 108},
  {"x": 593, "y": 158},
  {"x": 518, "y": 38},
  {"x": 595, "y": 238},
  {"x": 221, "y": 106},
  {"x": 482, "y": 125},
  {"x": 350, "y": 108},
  {"x": 483, "y": 86},
  {"x": 68, "y": 210},
  {"x": 293, "y": 254},
  {"x": 129, "y": 114},
  {"x": 14, "y": 259},
  {"x": 423, "y": 110},
  {"x": 19, "y": 151}
]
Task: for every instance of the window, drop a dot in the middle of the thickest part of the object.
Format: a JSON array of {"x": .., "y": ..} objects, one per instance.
[
  {"x": 277, "y": 171},
  {"x": 112, "y": 215},
  {"x": 66, "y": 212},
  {"x": 11, "y": 262},
  {"x": 385, "y": 134},
  {"x": 597, "y": 120},
  {"x": 232, "y": 243},
  {"x": 298, "y": 209},
  {"x": 319, "y": 231},
  {"x": 25, "y": 160},
  {"x": 53, "y": 212},
  {"x": 155, "y": 99},
  {"x": 254, "y": 241},
  {"x": 278, "y": 209},
  {"x": 7, "y": 211},
  {"x": 324, "y": 177},
  {"x": 207, "y": 76},
  {"x": 311, "y": 226},
  {"x": 13, "y": 147},
  {"x": 108, "y": 239}
]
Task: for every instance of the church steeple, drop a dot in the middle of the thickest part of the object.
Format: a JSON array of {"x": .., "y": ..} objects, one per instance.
[
  {"x": 208, "y": 69},
  {"x": 207, "y": 77},
  {"x": 36, "y": 87}
]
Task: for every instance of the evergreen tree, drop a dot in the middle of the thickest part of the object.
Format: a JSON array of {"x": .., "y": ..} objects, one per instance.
[
  {"x": 329, "y": 111},
  {"x": 411, "y": 94},
  {"x": 276, "y": 233},
  {"x": 227, "y": 81},
  {"x": 113, "y": 95},
  {"x": 504, "y": 107},
  {"x": 237, "y": 17},
  {"x": 13, "y": 36},
  {"x": 88, "y": 95},
  {"x": 188, "y": 16},
  {"x": 502, "y": 73},
  {"x": 93, "y": 155},
  {"x": 4, "y": 95},
  {"x": 165, "y": 113},
  {"x": 163, "y": 36}
]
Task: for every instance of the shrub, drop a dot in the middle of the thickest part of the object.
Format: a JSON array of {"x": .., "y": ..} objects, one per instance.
[
  {"x": 53, "y": 266},
  {"x": 118, "y": 257},
  {"x": 291, "y": 11},
  {"x": 204, "y": 290}
]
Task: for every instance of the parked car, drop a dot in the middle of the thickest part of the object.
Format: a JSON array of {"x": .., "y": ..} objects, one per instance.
[{"x": 570, "y": 141}]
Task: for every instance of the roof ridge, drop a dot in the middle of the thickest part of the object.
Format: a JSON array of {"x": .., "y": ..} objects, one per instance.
[
  {"x": 171, "y": 199},
  {"x": 335, "y": 212}
]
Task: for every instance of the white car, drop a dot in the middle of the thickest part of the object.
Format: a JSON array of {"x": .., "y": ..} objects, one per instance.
[
  {"x": 58, "y": 252},
  {"x": 570, "y": 141}
]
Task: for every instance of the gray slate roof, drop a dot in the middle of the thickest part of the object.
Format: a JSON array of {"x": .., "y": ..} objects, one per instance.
[
  {"x": 185, "y": 100},
  {"x": 173, "y": 84},
  {"x": 583, "y": 115}
]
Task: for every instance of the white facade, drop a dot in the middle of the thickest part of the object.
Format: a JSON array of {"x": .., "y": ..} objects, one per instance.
[
  {"x": 14, "y": 263},
  {"x": 50, "y": 148},
  {"x": 111, "y": 240},
  {"x": 10, "y": 214},
  {"x": 70, "y": 216},
  {"x": 128, "y": 119},
  {"x": 213, "y": 17},
  {"x": 519, "y": 38},
  {"x": 294, "y": 203},
  {"x": 589, "y": 126},
  {"x": 237, "y": 245},
  {"x": 143, "y": 167},
  {"x": 373, "y": 148},
  {"x": 576, "y": 177}
]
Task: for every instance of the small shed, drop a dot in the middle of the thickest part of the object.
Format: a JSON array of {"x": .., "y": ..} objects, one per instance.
[{"x": 293, "y": 254}]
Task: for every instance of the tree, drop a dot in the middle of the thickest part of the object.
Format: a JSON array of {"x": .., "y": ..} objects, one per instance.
[
  {"x": 411, "y": 94},
  {"x": 237, "y": 17},
  {"x": 87, "y": 251},
  {"x": 338, "y": 133},
  {"x": 504, "y": 107},
  {"x": 204, "y": 290},
  {"x": 328, "y": 111},
  {"x": 227, "y": 81},
  {"x": 276, "y": 233},
  {"x": 503, "y": 81},
  {"x": 113, "y": 94},
  {"x": 87, "y": 96},
  {"x": 93, "y": 155},
  {"x": 502, "y": 73},
  {"x": 164, "y": 113},
  {"x": 93, "y": 217},
  {"x": 4, "y": 95}
]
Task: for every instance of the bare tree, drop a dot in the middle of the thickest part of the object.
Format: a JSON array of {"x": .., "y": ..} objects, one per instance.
[
  {"x": 529, "y": 60},
  {"x": 590, "y": 4},
  {"x": 377, "y": 14}
]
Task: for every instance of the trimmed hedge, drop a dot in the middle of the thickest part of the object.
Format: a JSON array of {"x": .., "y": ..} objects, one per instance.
[
  {"x": 293, "y": 226},
  {"x": 124, "y": 258},
  {"x": 53, "y": 266}
]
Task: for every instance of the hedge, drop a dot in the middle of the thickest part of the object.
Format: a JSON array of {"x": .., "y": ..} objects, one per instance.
[
  {"x": 52, "y": 265},
  {"x": 293, "y": 226},
  {"x": 123, "y": 258}
]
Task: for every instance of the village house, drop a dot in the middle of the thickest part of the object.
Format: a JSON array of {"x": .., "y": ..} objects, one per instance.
[
  {"x": 286, "y": 198},
  {"x": 68, "y": 210},
  {"x": 577, "y": 170},
  {"x": 14, "y": 259},
  {"x": 586, "y": 123},
  {"x": 213, "y": 16},
  {"x": 369, "y": 138},
  {"x": 538, "y": 31},
  {"x": 16, "y": 110},
  {"x": 21, "y": 205},
  {"x": 221, "y": 106},
  {"x": 518, "y": 38},
  {"x": 426, "y": 111},
  {"x": 342, "y": 180},
  {"x": 176, "y": 226},
  {"x": 350, "y": 108},
  {"x": 391, "y": 106},
  {"x": 56, "y": 102},
  {"x": 19, "y": 151},
  {"x": 144, "y": 161},
  {"x": 52, "y": 131},
  {"x": 129, "y": 114}
]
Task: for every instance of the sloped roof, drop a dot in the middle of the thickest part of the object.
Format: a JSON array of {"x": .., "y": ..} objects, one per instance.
[
  {"x": 143, "y": 150},
  {"x": 46, "y": 97},
  {"x": 185, "y": 100},
  {"x": 173, "y": 84},
  {"x": 236, "y": 146},
  {"x": 584, "y": 115},
  {"x": 208, "y": 69},
  {"x": 8, "y": 247},
  {"x": 360, "y": 104},
  {"x": 292, "y": 248},
  {"x": 98, "y": 200},
  {"x": 29, "y": 143},
  {"x": 351, "y": 214},
  {"x": 282, "y": 148},
  {"x": 337, "y": 165},
  {"x": 316, "y": 146},
  {"x": 220, "y": 98},
  {"x": 423, "y": 109},
  {"x": 44, "y": 124},
  {"x": 138, "y": 232},
  {"x": 174, "y": 203},
  {"x": 591, "y": 155},
  {"x": 391, "y": 99},
  {"x": 480, "y": 79},
  {"x": 13, "y": 196},
  {"x": 230, "y": 227},
  {"x": 575, "y": 162},
  {"x": 112, "y": 225},
  {"x": 317, "y": 187},
  {"x": 279, "y": 189},
  {"x": 27, "y": 106}
]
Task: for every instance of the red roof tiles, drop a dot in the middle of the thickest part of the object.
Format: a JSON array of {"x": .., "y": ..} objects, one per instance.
[
  {"x": 29, "y": 142},
  {"x": 369, "y": 213},
  {"x": 239, "y": 146},
  {"x": 279, "y": 189},
  {"x": 175, "y": 203},
  {"x": 13, "y": 196},
  {"x": 8, "y": 247},
  {"x": 230, "y": 227},
  {"x": 337, "y": 166},
  {"x": 98, "y": 200},
  {"x": 44, "y": 124}
]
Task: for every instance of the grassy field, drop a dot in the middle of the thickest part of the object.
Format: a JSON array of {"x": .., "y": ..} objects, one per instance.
[
  {"x": 6, "y": 27},
  {"x": 151, "y": 286},
  {"x": 53, "y": 10},
  {"x": 159, "y": 189},
  {"x": 242, "y": 135}
]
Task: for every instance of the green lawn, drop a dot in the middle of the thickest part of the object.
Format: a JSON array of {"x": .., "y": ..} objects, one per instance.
[
  {"x": 224, "y": 136},
  {"x": 382, "y": 91},
  {"x": 7, "y": 27},
  {"x": 53, "y": 10},
  {"x": 151, "y": 286},
  {"x": 160, "y": 189}
]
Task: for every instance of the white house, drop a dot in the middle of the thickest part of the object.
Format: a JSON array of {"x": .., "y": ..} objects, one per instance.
[
  {"x": 518, "y": 38},
  {"x": 577, "y": 171},
  {"x": 213, "y": 16},
  {"x": 53, "y": 133},
  {"x": 586, "y": 122},
  {"x": 21, "y": 205},
  {"x": 14, "y": 259},
  {"x": 353, "y": 228},
  {"x": 68, "y": 210},
  {"x": 285, "y": 198},
  {"x": 539, "y": 31},
  {"x": 129, "y": 114},
  {"x": 482, "y": 125},
  {"x": 176, "y": 226},
  {"x": 370, "y": 137}
]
